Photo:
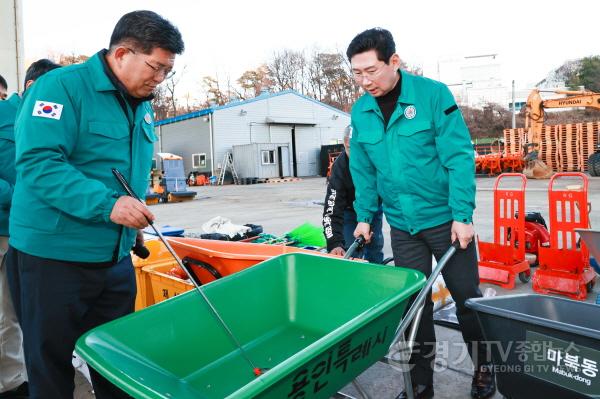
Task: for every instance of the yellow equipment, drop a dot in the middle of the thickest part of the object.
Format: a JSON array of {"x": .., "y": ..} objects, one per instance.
[{"x": 559, "y": 148}]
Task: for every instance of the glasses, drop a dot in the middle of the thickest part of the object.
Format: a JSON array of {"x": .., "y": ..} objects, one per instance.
[
  {"x": 162, "y": 70},
  {"x": 359, "y": 75}
]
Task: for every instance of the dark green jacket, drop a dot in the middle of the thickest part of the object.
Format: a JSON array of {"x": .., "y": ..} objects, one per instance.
[
  {"x": 70, "y": 132},
  {"x": 421, "y": 166},
  {"x": 8, "y": 113}
]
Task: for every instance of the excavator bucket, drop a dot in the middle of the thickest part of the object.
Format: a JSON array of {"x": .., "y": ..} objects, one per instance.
[{"x": 536, "y": 169}]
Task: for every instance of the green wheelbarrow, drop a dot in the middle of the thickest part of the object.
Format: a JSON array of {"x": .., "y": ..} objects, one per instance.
[{"x": 314, "y": 323}]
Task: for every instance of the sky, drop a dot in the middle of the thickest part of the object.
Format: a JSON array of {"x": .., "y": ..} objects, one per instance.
[{"x": 227, "y": 37}]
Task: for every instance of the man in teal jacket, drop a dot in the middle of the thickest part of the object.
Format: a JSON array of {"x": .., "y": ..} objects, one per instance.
[
  {"x": 411, "y": 147},
  {"x": 71, "y": 225},
  {"x": 3, "y": 88},
  {"x": 13, "y": 378}
]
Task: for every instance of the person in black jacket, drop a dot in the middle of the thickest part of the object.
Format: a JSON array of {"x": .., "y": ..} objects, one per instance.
[{"x": 339, "y": 218}]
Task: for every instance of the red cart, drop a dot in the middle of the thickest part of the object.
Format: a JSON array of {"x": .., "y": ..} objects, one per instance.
[
  {"x": 565, "y": 266},
  {"x": 504, "y": 259}
]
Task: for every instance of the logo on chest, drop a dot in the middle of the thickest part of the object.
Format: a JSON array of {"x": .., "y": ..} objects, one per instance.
[{"x": 410, "y": 112}]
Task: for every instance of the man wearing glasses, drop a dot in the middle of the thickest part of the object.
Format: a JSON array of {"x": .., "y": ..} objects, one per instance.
[
  {"x": 412, "y": 149},
  {"x": 72, "y": 227}
]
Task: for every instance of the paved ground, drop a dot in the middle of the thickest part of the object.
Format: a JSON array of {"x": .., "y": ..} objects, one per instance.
[{"x": 280, "y": 207}]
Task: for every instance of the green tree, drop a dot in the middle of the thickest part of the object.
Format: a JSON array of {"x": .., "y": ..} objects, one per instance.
[{"x": 588, "y": 74}]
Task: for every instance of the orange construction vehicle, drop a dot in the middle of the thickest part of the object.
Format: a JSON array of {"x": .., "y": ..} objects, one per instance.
[{"x": 557, "y": 148}]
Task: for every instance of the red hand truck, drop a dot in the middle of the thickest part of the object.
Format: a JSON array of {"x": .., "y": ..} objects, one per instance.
[
  {"x": 564, "y": 267},
  {"x": 504, "y": 259}
]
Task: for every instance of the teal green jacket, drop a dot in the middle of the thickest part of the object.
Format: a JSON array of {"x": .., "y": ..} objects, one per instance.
[
  {"x": 70, "y": 132},
  {"x": 421, "y": 165},
  {"x": 8, "y": 113}
]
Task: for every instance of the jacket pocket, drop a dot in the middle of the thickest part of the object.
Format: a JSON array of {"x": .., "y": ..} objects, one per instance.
[
  {"x": 111, "y": 130},
  {"x": 370, "y": 136},
  {"x": 149, "y": 133},
  {"x": 409, "y": 129}
]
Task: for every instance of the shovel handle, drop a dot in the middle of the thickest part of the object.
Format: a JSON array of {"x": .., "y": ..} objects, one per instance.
[{"x": 121, "y": 179}]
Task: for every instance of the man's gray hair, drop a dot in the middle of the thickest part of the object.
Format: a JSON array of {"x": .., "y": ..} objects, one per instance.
[{"x": 348, "y": 132}]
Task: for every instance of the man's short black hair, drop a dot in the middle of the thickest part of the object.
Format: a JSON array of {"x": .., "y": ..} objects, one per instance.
[
  {"x": 377, "y": 39},
  {"x": 3, "y": 83},
  {"x": 145, "y": 31},
  {"x": 39, "y": 68}
]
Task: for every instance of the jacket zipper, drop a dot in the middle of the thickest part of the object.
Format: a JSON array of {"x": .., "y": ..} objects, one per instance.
[{"x": 124, "y": 107}]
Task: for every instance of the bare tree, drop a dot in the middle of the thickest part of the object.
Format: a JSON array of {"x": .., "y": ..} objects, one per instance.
[
  {"x": 160, "y": 103},
  {"x": 316, "y": 80},
  {"x": 325, "y": 76},
  {"x": 190, "y": 104},
  {"x": 254, "y": 81},
  {"x": 214, "y": 94},
  {"x": 68, "y": 59},
  {"x": 489, "y": 121},
  {"x": 234, "y": 93},
  {"x": 287, "y": 70},
  {"x": 330, "y": 80},
  {"x": 353, "y": 88},
  {"x": 170, "y": 86}
]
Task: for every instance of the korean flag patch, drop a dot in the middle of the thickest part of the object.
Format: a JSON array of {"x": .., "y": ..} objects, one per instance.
[{"x": 45, "y": 109}]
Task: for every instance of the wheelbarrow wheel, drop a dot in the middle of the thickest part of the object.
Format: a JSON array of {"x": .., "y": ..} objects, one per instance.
[
  {"x": 590, "y": 286},
  {"x": 187, "y": 262},
  {"x": 525, "y": 276}
]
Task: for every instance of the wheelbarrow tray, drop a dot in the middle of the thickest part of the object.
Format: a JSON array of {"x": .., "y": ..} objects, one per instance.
[
  {"x": 315, "y": 322},
  {"x": 226, "y": 257},
  {"x": 530, "y": 336}
]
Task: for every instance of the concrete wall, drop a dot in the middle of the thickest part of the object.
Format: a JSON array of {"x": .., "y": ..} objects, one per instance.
[{"x": 11, "y": 44}]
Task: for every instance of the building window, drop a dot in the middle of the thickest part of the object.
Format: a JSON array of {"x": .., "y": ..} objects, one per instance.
[
  {"x": 198, "y": 161},
  {"x": 268, "y": 157}
]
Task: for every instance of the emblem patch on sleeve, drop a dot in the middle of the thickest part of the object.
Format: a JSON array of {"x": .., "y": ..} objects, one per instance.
[{"x": 45, "y": 109}]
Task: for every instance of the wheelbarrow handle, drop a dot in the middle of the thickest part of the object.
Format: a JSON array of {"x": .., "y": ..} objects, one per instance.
[
  {"x": 356, "y": 245},
  {"x": 420, "y": 299}
]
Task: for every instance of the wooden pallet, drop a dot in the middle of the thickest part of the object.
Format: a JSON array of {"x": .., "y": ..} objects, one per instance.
[
  {"x": 567, "y": 135},
  {"x": 564, "y": 148},
  {"x": 548, "y": 151},
  {"x": 283, "y": 180},
  {"x": 514, "y": 140},
  {"x": 589, "y": 139}
]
